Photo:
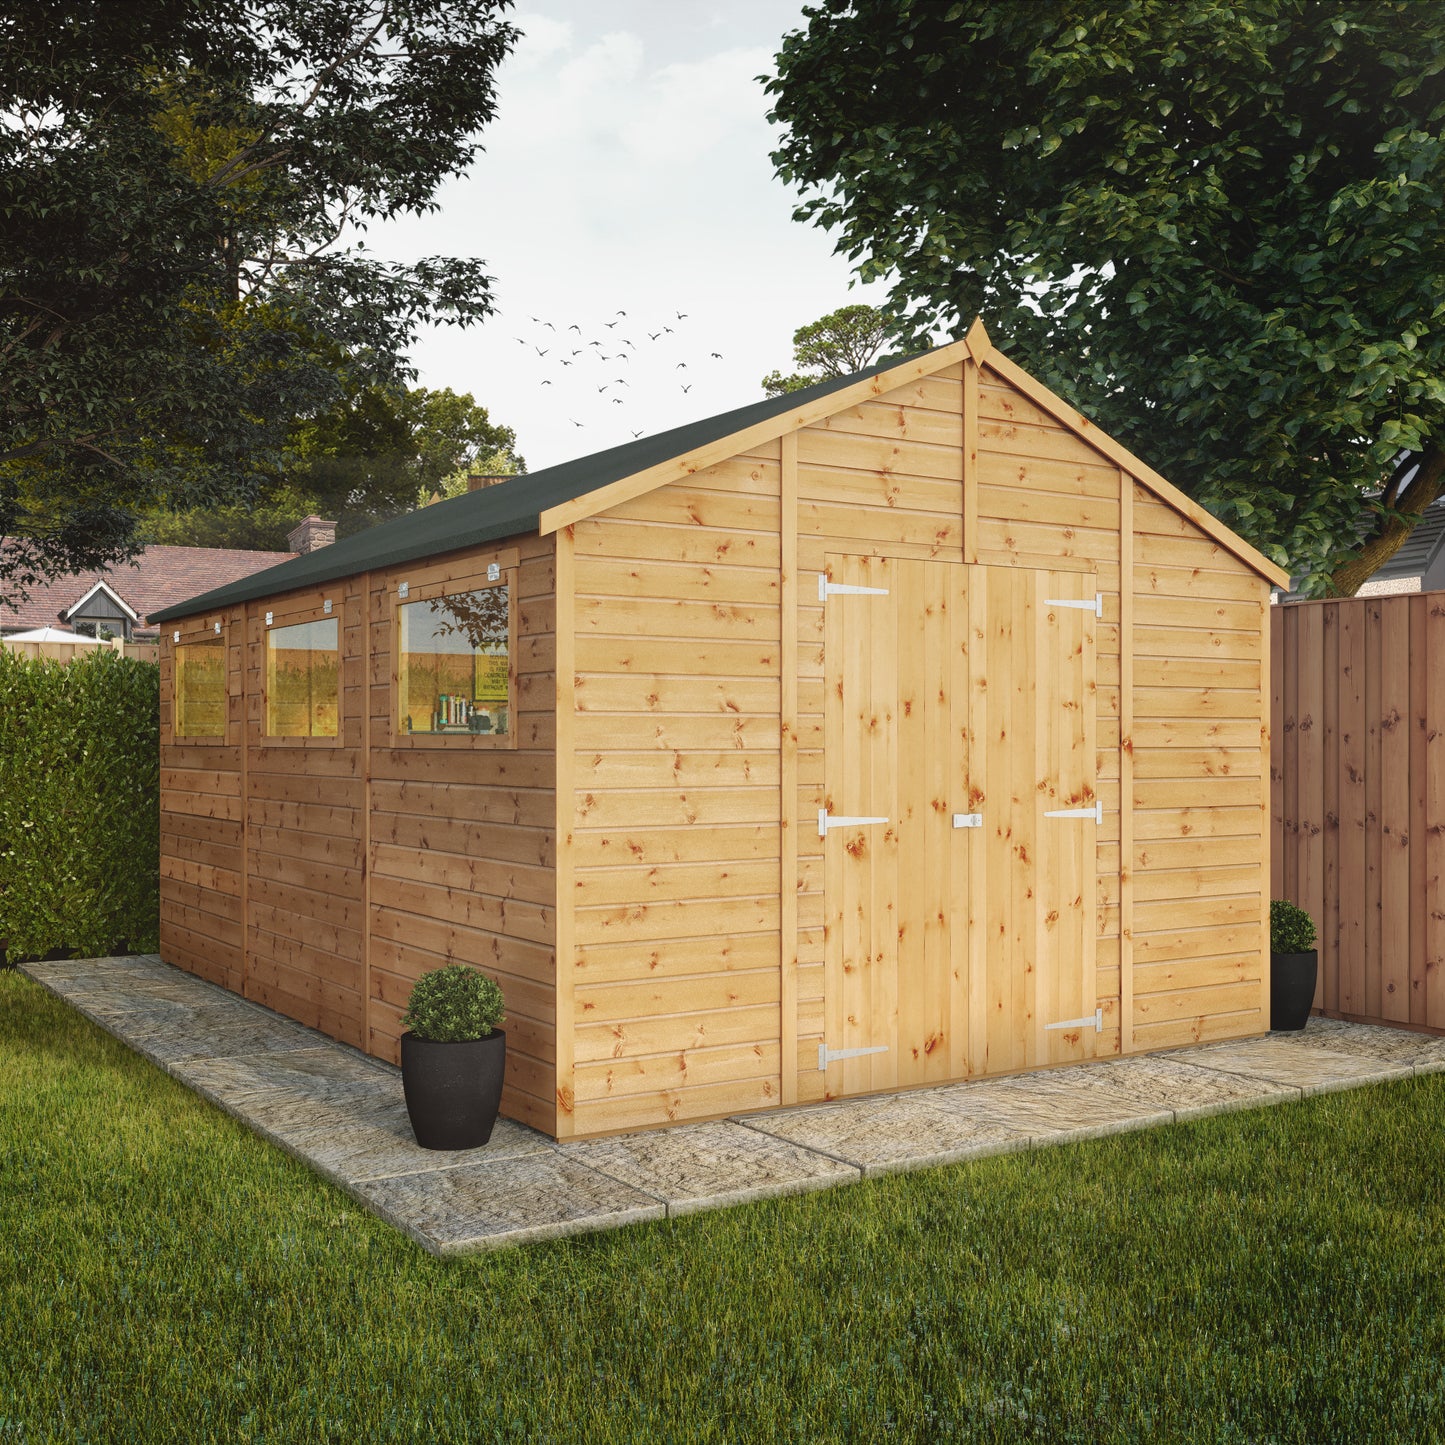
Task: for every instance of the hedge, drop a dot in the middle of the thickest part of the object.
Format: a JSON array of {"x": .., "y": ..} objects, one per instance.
[{"x": 79, "y": 804}]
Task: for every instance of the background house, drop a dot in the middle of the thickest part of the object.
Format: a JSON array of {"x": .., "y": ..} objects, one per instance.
[
  {"x": 118, "y": 599},
  {"x": 1419, "y": 565}
]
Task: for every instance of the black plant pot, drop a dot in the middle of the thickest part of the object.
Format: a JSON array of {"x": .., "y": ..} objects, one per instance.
[
  {"x": 453, "y": 1090},
  {"x": 1291, "y": 989}
]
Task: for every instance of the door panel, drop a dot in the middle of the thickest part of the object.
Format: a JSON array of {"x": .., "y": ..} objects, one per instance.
[{"x": 949, "y": 950}]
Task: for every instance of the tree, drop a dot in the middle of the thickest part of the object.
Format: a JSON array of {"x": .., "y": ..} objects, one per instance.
[
  {"x": 380, "y": 453},
  {"x": 177, "y": 177},
  {"x": 838, "y": 344},
  {"x": 1214, "y": 225}
]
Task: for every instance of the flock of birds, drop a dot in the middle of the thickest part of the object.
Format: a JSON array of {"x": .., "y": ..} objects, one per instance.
[{"x": 567, "y": 346}]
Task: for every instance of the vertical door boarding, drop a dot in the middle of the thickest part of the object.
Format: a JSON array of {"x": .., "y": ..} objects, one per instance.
[{"x": 959, "y": 821}]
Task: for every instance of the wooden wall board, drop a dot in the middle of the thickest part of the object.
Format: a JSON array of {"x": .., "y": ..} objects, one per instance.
[
  {"x": 676, "y": 769},
  {"x": 635, "y": 865},
  {"x": 1374, "y": 664}
]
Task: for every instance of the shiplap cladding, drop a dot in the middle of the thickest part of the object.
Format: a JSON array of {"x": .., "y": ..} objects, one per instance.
[
  {"x": 202, "y": 819},
  {"x": 462, "y": 851},
  {"x": 641, "y": 865},
  {"x": 676, "y": 841},
  {"x": 1200, "y": 758},
  {"x": 305, "y": 802},
  {"x": 368, "y": 860}
]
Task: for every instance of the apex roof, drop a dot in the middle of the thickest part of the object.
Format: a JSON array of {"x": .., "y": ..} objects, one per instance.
[{"x": 561, "y": 495}]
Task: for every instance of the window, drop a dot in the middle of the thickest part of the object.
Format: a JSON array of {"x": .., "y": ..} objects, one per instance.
[
  {"x": 303, "y": 666},
  {"x": 200, "y": 689},
  {"x": 454, "y": 670}
]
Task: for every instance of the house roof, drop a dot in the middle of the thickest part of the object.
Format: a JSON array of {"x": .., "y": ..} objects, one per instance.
[
  {"x": 561, "y": 495},
  {"x": 1419, "y": 549},
  {"x": 161, "y": 577}
]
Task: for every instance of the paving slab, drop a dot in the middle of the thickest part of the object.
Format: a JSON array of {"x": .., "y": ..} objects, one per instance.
[
  {"x": 338, "y": 1110},
  {"x": 1187, "y": 1090},
  {"x": 1052, "y": 1106},
  {"x": 137, "y": 962},
  {"x": 511, "y": 1201},
  {"x": 344, "y": 1114},
  {"x": 691, "y": 1167},
  {"x": 1312, "y": 1068},
  {"x": 891, "y": 1132},
  {"x": 97, "y": 993},
  {"x": 1425, "y": 1053}
]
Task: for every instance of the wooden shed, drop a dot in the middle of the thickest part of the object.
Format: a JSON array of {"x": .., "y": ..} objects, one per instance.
[{"x": 901, "y": 730}]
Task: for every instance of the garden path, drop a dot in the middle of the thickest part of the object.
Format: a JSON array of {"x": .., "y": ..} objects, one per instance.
[{"x": 342, "y": 1113}]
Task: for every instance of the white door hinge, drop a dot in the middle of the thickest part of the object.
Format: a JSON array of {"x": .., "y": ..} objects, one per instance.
[
  {"x": 1096, "y": 1022},
  {"x": 968, "y": 820},
  {"x": 1096, "y": 606},
  {"x": 828, "y": 1056},
  {"x": 825, "y": 822},
  {"x": 827, "y": 589},
  {"x": 1096, "y": 812}
]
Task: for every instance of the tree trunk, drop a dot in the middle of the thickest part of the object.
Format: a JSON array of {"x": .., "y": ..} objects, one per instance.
[{"x": 1356, "y": 570}]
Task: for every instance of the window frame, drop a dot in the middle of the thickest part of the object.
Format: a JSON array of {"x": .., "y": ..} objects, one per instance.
[
  {"x": 209, "y": 629},
  {"x": 425, "y": 585},
  {"x": 292, "y": 614}
]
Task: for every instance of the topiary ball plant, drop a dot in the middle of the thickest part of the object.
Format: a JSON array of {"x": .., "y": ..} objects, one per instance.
[
  {"x": 1291, "y": 929},
  {"x": 452, "y": 1004}
]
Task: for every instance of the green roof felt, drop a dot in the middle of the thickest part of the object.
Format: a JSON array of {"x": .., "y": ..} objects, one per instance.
[{"x": 505, "y": 509}]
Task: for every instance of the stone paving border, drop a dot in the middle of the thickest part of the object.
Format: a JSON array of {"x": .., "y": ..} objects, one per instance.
[{"x": 342, "y": 1113}]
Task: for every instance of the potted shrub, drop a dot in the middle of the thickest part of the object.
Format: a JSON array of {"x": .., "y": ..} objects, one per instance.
[
  {"x": 1293, "y": 966},
  {"x": 452, "y": 1057}
]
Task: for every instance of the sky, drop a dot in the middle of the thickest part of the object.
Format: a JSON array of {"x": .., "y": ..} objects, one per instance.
[{"x": 627, "y": 171}]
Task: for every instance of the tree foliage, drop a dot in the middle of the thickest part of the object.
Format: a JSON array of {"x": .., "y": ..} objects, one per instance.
[
  {"x": 1214, "y": 225},
  {"x": 838, "y": 344},
  {"x": 380, "y": 453},
  {"x": 177, "y": 178}
]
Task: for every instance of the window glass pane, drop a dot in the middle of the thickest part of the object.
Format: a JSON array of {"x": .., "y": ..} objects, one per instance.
[
  {"x": 453, "y": 670},
  {"x": 201, "y": 689},
  {"x": 302, "y": 673}
]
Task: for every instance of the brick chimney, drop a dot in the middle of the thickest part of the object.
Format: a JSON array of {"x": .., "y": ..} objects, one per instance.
[
  {"x": 475, "y": 483},
  {"x": 310, "y": 533}
]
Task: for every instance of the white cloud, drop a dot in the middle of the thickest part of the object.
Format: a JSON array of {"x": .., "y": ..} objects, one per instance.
[{"x": 618, "y": 177}]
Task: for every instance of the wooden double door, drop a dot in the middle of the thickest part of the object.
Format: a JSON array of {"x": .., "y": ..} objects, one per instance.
[{"x": 960, "y": 822}]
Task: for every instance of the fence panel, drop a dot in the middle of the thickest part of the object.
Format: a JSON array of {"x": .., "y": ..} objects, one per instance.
[
  {"x": 69, "y": 651},
  {"x": 1357, "y": 775}
]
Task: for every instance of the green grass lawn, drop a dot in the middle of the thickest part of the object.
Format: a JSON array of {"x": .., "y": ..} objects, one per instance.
[{"x": 1273, "y": 1275}]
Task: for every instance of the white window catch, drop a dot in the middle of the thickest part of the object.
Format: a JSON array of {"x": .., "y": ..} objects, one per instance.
[
  {"x": 828, "y": 1056},
  {"x": 825, "y": 822},
  {"x": 217, "y": 627},
  {"x": 1096, "y": 1023},
  {"x": 1096, "y": 606},
  {"x": 402, "y": 590},
  {"x": 268, "y": 619},
  {"x": 494, "y": 571},
  {"x": 968, "y": 820},
  {"x": 827, "y": 589},
  {"x": 326, "y": 607},
  {"x": 1096, "y": 812},
  {"x": 175, "y": 637}
]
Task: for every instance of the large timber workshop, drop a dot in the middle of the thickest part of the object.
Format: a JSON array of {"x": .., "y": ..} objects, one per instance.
[{"x": 901, "y": 730}]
